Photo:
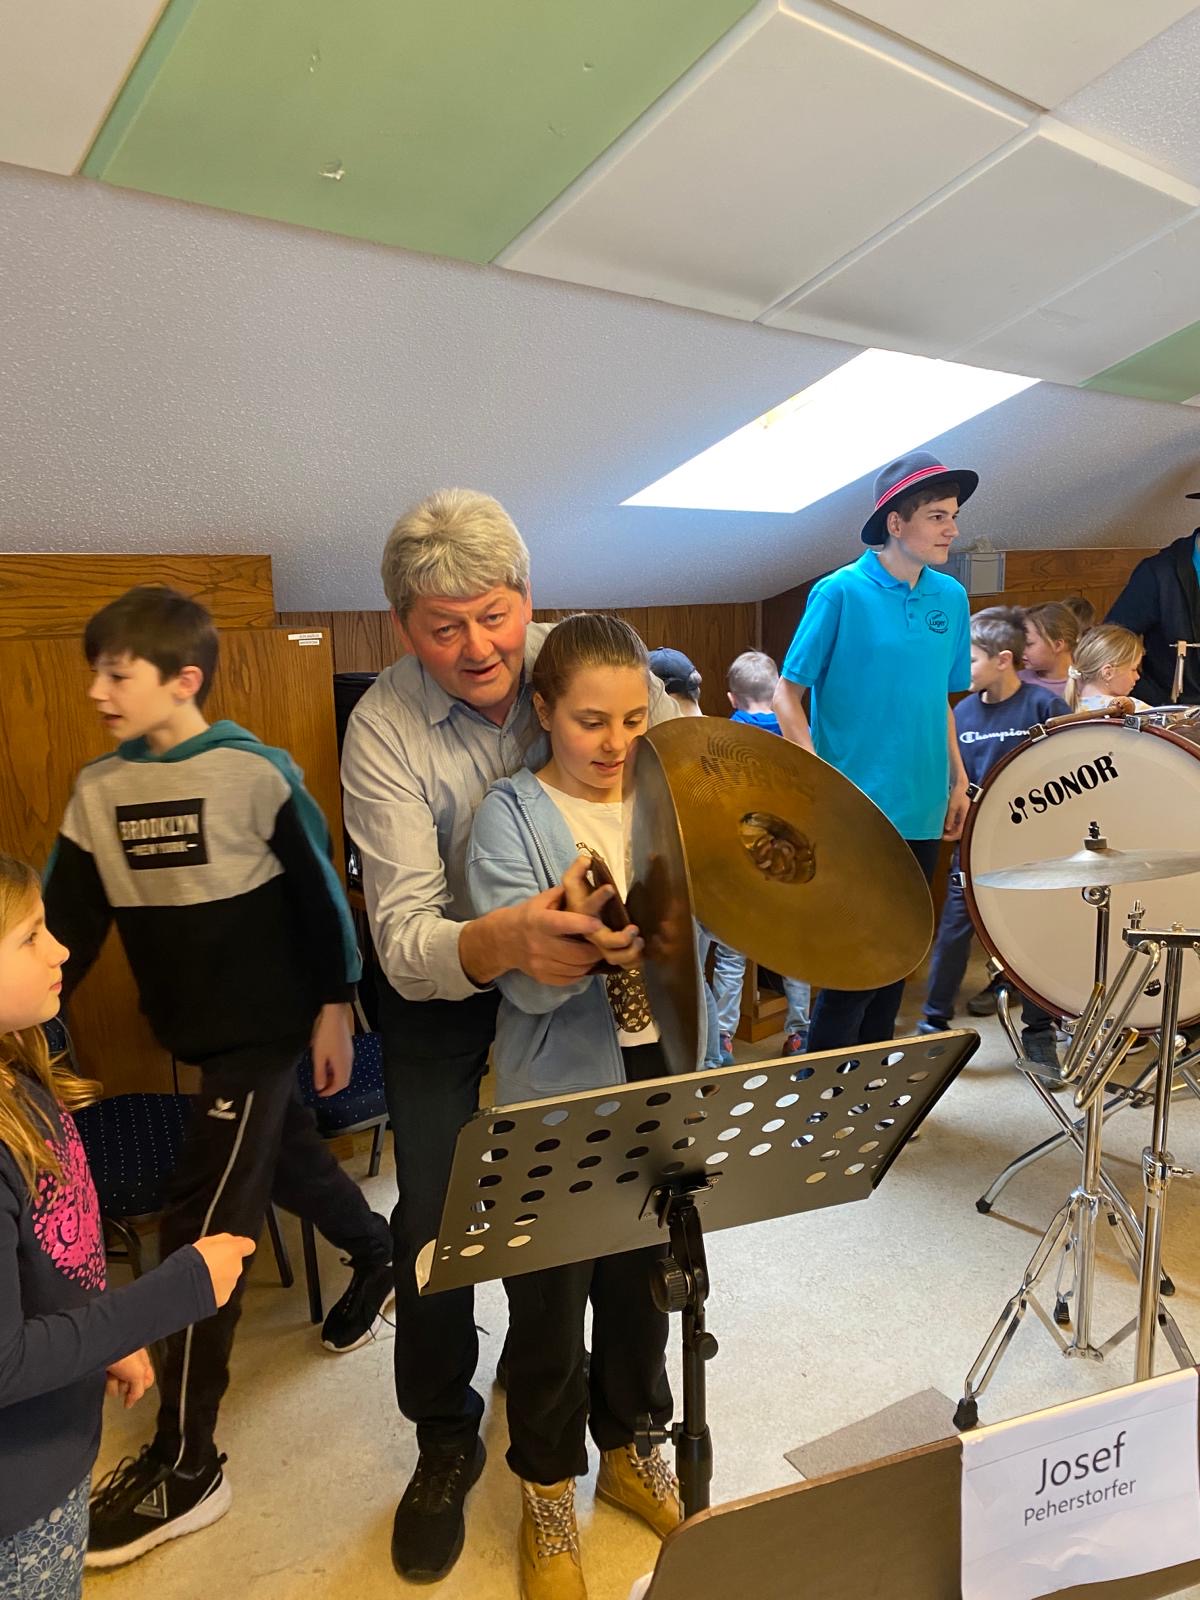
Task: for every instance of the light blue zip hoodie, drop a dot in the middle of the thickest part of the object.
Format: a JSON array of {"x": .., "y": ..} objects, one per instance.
[{"x": 549, "y": 1040}]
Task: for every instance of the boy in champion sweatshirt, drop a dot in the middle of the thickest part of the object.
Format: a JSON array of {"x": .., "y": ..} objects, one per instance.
[{"x": 204, "y": 847}]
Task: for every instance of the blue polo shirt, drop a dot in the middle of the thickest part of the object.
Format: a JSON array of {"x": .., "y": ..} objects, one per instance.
[{"x": 880, "y": 658}]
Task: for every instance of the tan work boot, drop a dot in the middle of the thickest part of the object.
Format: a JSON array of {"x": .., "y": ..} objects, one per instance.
[
  {"x": 644, "y": 1485},
  {"x": 548, "y": 1543}
]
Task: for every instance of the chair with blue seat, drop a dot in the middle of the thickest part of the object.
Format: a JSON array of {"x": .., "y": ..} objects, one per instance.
[
  {"x": 132, "y": 1143},
  {"x": 359, "y": 1106}
]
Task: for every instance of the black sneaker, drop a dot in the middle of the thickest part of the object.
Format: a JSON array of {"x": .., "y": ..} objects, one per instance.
[
  {"x": 1041, "y": 1051},
  {"x": 143, "y": 1502},
  {"x": 926, "y": 1026},
  {"x": 358, "y": 1313},
  {"x": 429, "y": 1528},
  {"x": 983, "y": 1004}
]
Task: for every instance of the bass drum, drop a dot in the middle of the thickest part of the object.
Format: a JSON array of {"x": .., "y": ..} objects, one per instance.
[{"x": 1142, "y": 785}]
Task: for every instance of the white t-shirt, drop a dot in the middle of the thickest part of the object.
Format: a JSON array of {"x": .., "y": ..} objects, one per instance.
[
  {"x": 599, "y": 827},
  {"x": 1101, "y": 702}
]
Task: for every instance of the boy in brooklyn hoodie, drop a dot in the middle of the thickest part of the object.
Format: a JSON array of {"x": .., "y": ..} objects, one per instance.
[{"x": 204, "y": 847}]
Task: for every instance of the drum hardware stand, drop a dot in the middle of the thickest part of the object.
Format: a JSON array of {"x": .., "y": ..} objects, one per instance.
[
  {"x": 1072, "y": 1131},
  {"x": 1182, "y": 646},
  {"x": 1100, "y": 1045},
  {"x": 1158, "y": 1166}
]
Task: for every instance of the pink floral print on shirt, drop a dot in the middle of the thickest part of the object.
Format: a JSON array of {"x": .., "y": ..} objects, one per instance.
[{"x": 66, "y": 1214}]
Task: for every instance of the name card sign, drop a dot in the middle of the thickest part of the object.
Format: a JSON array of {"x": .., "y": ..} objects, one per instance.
[{"x": 1102, "y": 1488}]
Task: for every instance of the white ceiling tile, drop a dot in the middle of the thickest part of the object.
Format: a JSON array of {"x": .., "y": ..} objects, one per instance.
[
  {"x": 1151, "y": 101},
  {"x": 61, "y": 66},
  {"x": 1042, "y": 49},
  {"x": 1127, "y": 307},
  {"x": 1048, "y": 211},
  {"x": 768, "y": 167},
  {"x": 302, "y": 423}
]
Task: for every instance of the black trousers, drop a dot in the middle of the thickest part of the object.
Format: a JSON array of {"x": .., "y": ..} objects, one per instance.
[
  {"x": 550, "y": 1401},
  {"x": 844, "y": 1017},
  {"x": 434, "y": 1055},
  {"x": 250, "y": 1139}
]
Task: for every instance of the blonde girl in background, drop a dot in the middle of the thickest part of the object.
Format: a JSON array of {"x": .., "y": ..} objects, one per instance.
[{"x": 1108, "y": 662}]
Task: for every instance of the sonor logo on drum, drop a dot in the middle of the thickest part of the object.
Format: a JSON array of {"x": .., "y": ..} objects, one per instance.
[{"x": 1065, "y": 787}]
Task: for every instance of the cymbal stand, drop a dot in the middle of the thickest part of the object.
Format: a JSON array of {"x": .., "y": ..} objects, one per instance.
[
  {"x": 1158, "y": 1165},
  {"x": 1098, "y": 1049}
]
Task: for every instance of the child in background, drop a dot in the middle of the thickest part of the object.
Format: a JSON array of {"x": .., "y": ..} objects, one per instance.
[
  {"x": 1082, "y": 610},
  {"x": 64, "y": 1339},
  {"x": 752, "y": 680},
  {"x": 205, "y": 848},
  {"x": 1051, "y": 634},
  {"x": 1108, "y": 662},
  {"x": 591, "y": 692},
  {"x": 990, "y": 722},
  {"x": 680, "y": 678}
]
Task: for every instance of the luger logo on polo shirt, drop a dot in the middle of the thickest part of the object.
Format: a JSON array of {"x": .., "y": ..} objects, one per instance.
[
  {"x": 937, "y": 621},
  {"x": 164, "y": 833}
]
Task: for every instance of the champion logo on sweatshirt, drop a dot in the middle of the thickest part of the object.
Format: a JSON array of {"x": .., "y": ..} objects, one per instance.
[{"x": 165, "y": 833}]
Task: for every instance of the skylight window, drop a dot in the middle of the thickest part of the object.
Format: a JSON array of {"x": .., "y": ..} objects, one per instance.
[{"x": 850, "y": 423}]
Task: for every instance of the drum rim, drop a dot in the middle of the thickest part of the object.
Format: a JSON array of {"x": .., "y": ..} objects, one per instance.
[{"x": 1191, "y": 746}]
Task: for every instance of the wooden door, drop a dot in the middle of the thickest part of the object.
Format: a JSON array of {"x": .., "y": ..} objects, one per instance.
[{"x": 277, "y": 687}]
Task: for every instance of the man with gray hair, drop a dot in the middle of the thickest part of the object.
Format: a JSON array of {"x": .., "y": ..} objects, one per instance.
[{"x": 423, "y": 745}]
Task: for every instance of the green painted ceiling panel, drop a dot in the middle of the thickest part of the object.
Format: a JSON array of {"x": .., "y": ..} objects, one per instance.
[
  {"x": 1168, "y": 370},
  {"x": 452, "y": 123}
]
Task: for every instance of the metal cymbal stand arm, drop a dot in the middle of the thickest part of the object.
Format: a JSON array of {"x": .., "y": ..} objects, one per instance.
[{"x": 1158, "y": 1166}]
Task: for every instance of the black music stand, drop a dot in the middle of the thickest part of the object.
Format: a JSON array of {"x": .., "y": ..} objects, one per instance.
[{"x": 549, "y": 1182}]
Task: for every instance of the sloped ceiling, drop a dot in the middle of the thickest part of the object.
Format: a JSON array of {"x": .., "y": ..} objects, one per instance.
[
  {"x": 178, "y": 375},
  {"x": 1007, "y": 182}
]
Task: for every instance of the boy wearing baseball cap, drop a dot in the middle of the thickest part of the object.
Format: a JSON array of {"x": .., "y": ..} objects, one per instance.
[{"x": 881, "y": 644}]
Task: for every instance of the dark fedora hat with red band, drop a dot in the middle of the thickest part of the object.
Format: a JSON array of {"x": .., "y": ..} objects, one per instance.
[{"x": 919, "y": 470}]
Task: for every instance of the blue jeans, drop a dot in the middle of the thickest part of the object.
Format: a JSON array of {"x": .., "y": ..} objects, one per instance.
[
  {"x": 729, "y": 972},
  {"x": 712, "y": 1039},
  {"x": 45, "y": 1561},
  {"x": 948, "y": 966}
]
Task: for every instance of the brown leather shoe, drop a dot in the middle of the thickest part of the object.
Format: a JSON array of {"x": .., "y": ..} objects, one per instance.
[
  {"x": 644, "y": 1485},
  {"x": 548, "y": 1543}
]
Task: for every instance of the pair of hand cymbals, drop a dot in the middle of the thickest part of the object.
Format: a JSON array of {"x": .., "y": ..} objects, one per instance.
[{"x": 782, "y": 858}]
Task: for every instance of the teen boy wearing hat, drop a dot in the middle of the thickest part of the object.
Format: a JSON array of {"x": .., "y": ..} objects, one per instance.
[
  {"x": 881, "y": 644},
  {"x": 1161, "y": 601}
]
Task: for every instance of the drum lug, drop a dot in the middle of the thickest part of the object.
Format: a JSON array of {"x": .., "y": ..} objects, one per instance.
[{"x": 974, "y": 790}]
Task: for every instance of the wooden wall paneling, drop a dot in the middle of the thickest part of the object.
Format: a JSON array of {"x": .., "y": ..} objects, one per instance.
[
  {"x": 282, "y": 691},
  {"x": 54, "y": 595},
  {"x": 363, "y": 641},
  {"x": 710, "y": 635}
]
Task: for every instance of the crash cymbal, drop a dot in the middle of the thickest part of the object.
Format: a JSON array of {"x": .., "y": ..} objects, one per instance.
[
  {"x": 790, "y": 862},
  {"x": 1092, "y": 868},
  {"x": 660, "y": 902}
]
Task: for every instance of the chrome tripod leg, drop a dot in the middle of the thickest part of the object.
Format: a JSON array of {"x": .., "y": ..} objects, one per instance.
[
  {"x": 1071, "y": 1130},
  {"x": 1060, "y": 1231},
  {"x": 1158, "y": 1169}
]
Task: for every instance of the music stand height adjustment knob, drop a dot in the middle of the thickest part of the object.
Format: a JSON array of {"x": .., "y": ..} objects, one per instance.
[{"x": 671, "y": 1287}]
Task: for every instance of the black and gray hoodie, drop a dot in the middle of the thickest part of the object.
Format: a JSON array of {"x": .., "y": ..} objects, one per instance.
[{"x": 214, "y": 861}]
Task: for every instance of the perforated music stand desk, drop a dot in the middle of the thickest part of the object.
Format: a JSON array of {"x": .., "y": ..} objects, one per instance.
[
  {"x": 549, "y": 1182},
  {"x": 887, "y": 1530}
]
